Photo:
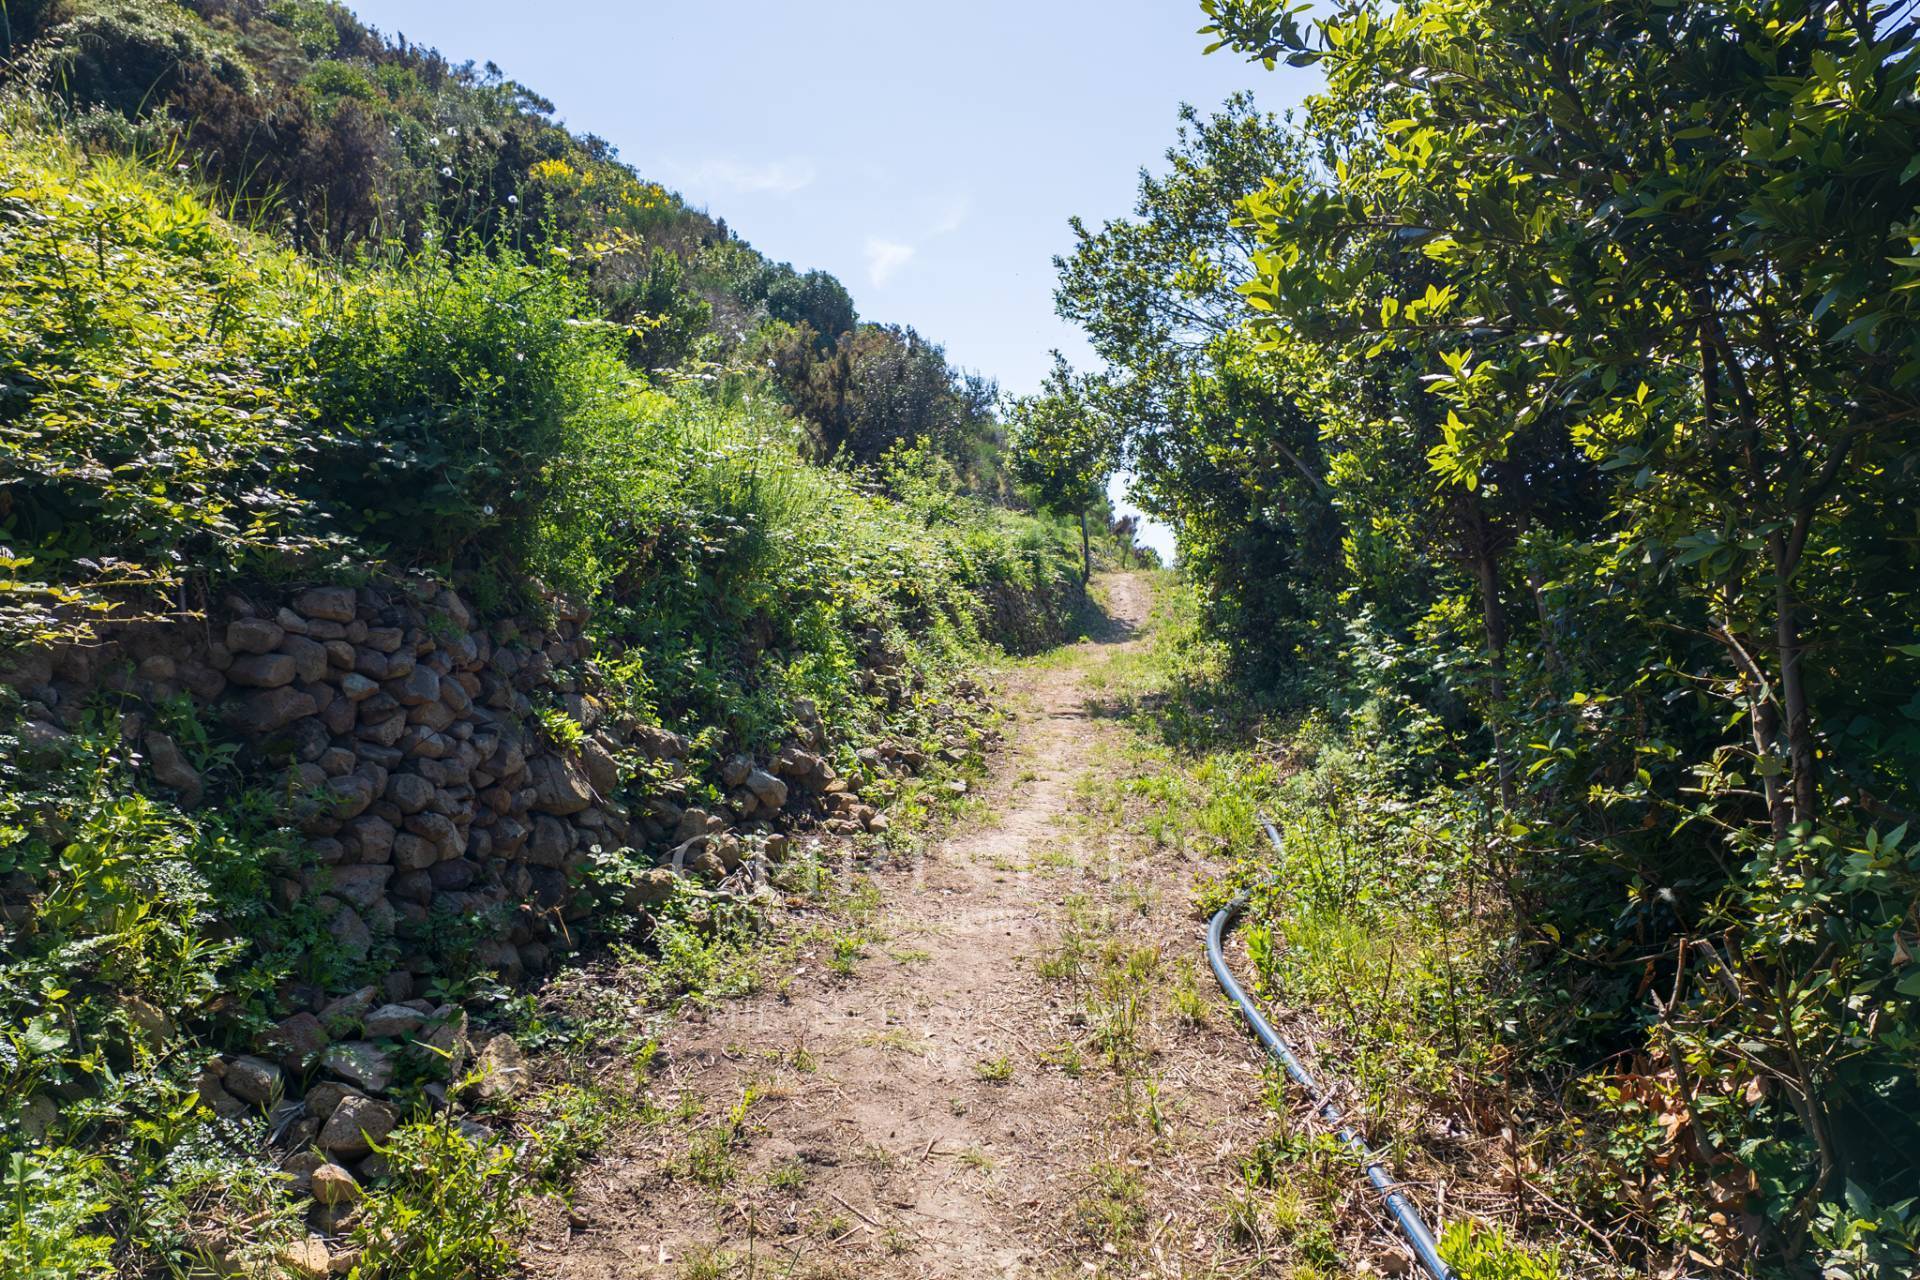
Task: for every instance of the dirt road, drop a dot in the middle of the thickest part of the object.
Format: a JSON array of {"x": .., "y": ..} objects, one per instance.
[{"x": 1027, "y": 1074}]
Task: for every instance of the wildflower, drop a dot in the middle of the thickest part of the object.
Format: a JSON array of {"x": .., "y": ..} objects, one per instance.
[{"x": 446, "y": 171}]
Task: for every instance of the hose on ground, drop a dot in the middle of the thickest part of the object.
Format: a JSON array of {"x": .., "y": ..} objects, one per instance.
[{"x": 1401, "y": 1209}]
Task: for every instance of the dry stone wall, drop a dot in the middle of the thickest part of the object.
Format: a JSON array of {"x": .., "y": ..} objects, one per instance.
[{"x": 404, "y": 738}]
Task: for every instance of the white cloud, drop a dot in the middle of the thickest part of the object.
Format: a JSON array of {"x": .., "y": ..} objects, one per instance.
[
  {"x": 768, "y": 177},
  {"x": 885, "y": 258},
  {"x": 952, "y": 219}
]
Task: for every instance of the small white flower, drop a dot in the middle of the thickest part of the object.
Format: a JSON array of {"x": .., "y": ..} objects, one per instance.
[
  {"x": 487, "y": 510},
  {"x": 513, "y": 199},
  {"x": 446, "y": 171}
]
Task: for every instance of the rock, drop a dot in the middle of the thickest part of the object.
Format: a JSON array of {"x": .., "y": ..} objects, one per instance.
[
  {"x": 420, "y": 687},
  {"x": 38, "y": 1115},
  {"x": 331, "y": 1184},
  {"x": 263, "y": 670},
  {"x": 299, "y": 1169},
  {"x": 170, "y": 768},
  {"x": 392, "y": 1020},
  {"x": 348, "y": 795},
  {"x": 334, "y": 604},
  {"x": 299, "y": 1040},
  {"x": 370, "y": 838},
  {"x": 502, "y": 1068},
  {"x": 447, "y": 1036},
  {"x": 734, "y": 772},
  {"x": 328, "y": 1094},
  {"x": 350, "y": 1007},
  {"x": 305, "y": 1259},
  {"x": 560, "y": 785},
  {"x": 355, "y": 1125},
  {"x": 253, "y": 1080},
  {"x": 551, "y": 843},
  {"x": 253, "y": 636},
  {"x": 767, "y": 789},
  {"x": 356, "y": 687},
  {"x": 654, "y": 885},
  {"x": 414, "y": 852},
  {"x": 309, "y": 657},
  {"x": 410, "y": 791},
  {"x": 269, "y": 710},
  {"x": 151, "y": 1021},
  {"x": 603, "y": 771},
  {"x": 363, "y": 1064},
  {"x": 350, "y": 930},
  {"x": 40, "y": 735},
  {"x": 360, "y": 884}
]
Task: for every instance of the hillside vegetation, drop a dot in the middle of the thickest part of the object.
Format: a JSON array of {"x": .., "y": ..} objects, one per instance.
[
  {"x": 1540, "y": 413},
  {"x": 291, "y": 313}
]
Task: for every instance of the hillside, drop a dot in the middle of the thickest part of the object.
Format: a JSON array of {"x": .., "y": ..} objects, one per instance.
[{"x": 434, "y": 557}]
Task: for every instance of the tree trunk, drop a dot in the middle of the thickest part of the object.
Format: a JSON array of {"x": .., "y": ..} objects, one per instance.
[
  {"x": 1801, "y": 757},
  {"x": 1086, "y": 550},
  {"x": 1486, "y": 572}
]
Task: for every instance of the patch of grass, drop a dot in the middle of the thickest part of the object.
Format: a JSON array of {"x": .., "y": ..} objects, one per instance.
[
  {"x": 1113, "y": 1209},
  {"x": 994, "y": 1070}
]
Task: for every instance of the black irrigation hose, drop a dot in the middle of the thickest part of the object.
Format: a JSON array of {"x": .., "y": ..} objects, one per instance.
[{"x": 1411, "y": 1224}]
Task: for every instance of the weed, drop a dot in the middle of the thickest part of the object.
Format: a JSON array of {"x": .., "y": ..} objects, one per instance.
[
  {"x": 994, "y": 1070},
  {"x": 1113, "y": 1208}
]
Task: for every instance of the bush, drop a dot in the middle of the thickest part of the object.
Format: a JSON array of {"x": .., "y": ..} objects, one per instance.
[{"x": 447, "y": 386}]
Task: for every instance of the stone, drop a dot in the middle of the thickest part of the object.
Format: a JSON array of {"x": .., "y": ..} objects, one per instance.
[
  {"x": 268, "y": 710},
  {"x": 305, "y": 1259},
  {"x": 419, "y": 687},
  {"x": 355, "y": 1125},
  {"x": 366, "y": 1065},
  {"x": 410, "y": 791},
  {"x": 146, "y": 1017},
  {"x": 350, "y": 930},
  {"x": 339, "y": 654},
  {"x": 170, "y": 768},
  {"x": 263, "y": 670},
  {"x": 309, "y": 657},
  {"x": 254, "y": 1080},
  {"x": 356, "y": 687},
  {"x": 331, "y": 1184},
  {"x": 560, "y": 785},
  {"x": 337, "y": 762},
  {"x": 370, "y": 838},
  {"x": 361, "y": 885},
  {"x": 414, "y": 852},
  {"x": 391, "y": 1020},
  {"x": 502, "y": 1068},
  {"x": 350, "y": 1007},
  {"x": 385, "y": 733},
  {"x": 253, "y": 636},
  {"x": 328, "y": 1094},
  {"x": 734, "y": 772},
  {"x": 432, "y": 715},
  {"x": 653, "y": 885},
  {"x": 348, "y": 795},
  {"x": 551, "y": 842},
  {"x": 603, "y": 771},
  {"x": 300, "y": 1040},
  {"x": 334, "y": 604},
  {"x": 767, "y": 789},
  {"x": 338, "y": 717},
  {"x": 299, "y": 1169}
]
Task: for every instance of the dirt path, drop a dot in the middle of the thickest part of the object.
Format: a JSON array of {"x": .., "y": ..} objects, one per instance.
[{"x": 1024, "y": 1077}]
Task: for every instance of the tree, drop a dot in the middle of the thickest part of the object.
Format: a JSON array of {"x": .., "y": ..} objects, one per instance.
[{"x": 1065, "y": 447}]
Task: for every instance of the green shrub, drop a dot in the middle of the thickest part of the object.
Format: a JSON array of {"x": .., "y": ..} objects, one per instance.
[
  {"x": 447, "y": 386},
  {"x": 447, "y": 1210},
  {"x": 1485, "y": 1253}
]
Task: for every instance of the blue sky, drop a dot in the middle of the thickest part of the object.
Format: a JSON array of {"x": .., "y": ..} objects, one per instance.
[{"x": 928, "y": 155}]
